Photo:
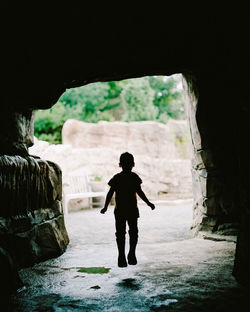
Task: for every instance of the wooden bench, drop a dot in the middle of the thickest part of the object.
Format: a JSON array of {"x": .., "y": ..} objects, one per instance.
[{"x": 78, "y": 187}]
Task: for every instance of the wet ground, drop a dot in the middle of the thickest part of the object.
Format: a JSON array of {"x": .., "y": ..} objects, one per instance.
[{"x": 175, "y": 272}]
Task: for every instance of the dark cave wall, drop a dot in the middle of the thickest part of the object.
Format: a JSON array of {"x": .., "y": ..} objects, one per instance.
[
  {"x": 43, "y": 55},
  {"x": 242, "y": 268},
  {"x": 16, "y": 130},
  {"x": 219, "y": 118},
  {"x": 31, "y": 220},
  {"x": 215, "y": 169},
  {"x": 32, "y": 225}
]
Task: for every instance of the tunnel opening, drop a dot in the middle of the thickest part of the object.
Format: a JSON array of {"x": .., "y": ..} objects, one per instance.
[
  {"x": 151, "y": 277},
  {"x": 121, "y": 121},
  {"x": 179, "y": 270},
  {"x": 210, "y": 50},
  {"x": 158, "y": 139},
  {"x": 214, "y": 210}
]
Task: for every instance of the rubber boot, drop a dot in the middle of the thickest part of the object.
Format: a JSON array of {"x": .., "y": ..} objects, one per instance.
[
  {"x": 122, "y": 262},
  {"x": 131, "y": 255}
]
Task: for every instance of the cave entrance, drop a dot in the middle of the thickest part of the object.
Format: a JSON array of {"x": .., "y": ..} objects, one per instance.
[
  {"x": 97, "y": 122},
  {"x": 90, "y": 126},
  {"x": 172, "y": 268}
]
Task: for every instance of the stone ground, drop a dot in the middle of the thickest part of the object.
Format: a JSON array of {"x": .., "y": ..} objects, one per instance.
[{"x": 175, "y": 272}]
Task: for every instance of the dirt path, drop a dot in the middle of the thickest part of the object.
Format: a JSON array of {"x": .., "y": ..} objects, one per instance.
[{"x": 175, "y": 271}]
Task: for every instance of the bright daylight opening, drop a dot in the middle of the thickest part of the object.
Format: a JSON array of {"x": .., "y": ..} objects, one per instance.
[
  {"x": 90, "y": 126},
  {"x": 85, "y": 133}
]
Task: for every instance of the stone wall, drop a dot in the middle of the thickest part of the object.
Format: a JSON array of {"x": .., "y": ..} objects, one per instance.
[
  {"x": 161, "y": 154},
  {"x": 146, "y": 138},
  {"x": 31, "y": 212},
  {"x": 31, "y": 219}
]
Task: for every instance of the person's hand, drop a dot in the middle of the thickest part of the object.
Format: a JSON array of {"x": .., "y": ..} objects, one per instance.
[
  {"x": 152, "y": 206},
  {"x": 103, "y": 210}
]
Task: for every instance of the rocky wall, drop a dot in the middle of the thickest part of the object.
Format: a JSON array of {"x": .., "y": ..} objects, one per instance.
[
  {"x": 213, "y": 46},
  {"x": 161, "y": 152},
  {"x": 215, "y": 191},
  {"x": 242, "y": 264},
  {"x": 31, "y": 220},
  {"x": 16, "y": 131}
]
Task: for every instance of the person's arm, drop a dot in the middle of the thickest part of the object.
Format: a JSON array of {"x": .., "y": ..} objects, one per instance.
[
  {"x": 144, "y": 198},
  {"x": 108, "y": 199}
]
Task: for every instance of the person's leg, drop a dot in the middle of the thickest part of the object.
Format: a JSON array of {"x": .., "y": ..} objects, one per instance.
[
  {"x": 133, "y": 239},
  {"x": 120, "y": 224}
]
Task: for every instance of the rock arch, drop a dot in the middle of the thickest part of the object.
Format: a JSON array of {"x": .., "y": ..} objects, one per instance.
[{"x": 39, "y": 63}]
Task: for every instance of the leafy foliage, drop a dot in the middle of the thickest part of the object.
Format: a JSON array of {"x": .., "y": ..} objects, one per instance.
[
  {"x": 138, "y": 98},
  {"x": 149, "y": 98},
  {"x": 168, "y": 99},
  {"x": 48, "y": 123}
]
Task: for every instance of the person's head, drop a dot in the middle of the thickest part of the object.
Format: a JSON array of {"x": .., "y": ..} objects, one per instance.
[{"x": 127, "y": 161}]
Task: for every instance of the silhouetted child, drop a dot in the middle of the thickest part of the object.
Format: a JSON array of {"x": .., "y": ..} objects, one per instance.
[{"x": 126, "y": 185}]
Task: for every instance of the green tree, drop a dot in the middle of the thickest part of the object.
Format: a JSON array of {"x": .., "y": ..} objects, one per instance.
[
  {"x": 92, "y": 100},
  {"x": 168, "y": 97},
  {"x": 148, "y": 98},
  {"x": 48, "y": 123},
  {"x": 137, "y": 96}
]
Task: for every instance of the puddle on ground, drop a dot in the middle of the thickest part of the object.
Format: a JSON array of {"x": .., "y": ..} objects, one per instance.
[
  {"x": 94, "y": 270},
  {"x": 88, "y": 270}
]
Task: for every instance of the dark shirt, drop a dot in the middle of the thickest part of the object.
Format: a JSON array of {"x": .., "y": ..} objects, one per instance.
[{"x": 125, "y": 185}]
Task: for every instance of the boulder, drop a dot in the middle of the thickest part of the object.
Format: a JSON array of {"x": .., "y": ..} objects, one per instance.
[{"x": 32, "y": 225}]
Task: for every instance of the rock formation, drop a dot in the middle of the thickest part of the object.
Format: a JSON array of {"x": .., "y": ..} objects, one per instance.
[
  {"x": 45, "y": 55},
  {"x": 161, "y": 154},
  {"x": 147, "y": 138},
  {"x": 31, "y": 222}
]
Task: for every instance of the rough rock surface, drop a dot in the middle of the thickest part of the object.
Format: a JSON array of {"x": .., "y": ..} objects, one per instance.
[
  {"x": 18, "y": 135},
  {"x": 31, "y": 222},
  {"x": 213, "y": 49},
  {"x": 161, "y": 154},
  {"x": 215, "y": 207},
  {"x": 147, "y": 138}
]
